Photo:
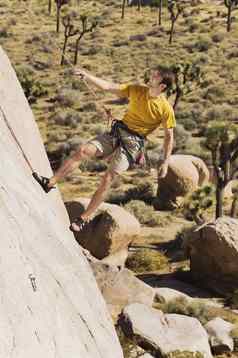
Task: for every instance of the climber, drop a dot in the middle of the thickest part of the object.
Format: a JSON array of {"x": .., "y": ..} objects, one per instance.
[{"x": 148, "y": 109}]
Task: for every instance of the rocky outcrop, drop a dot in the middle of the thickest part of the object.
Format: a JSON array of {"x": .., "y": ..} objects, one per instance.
[
  {"x": 185, "y": 174},
  {"x": 108, "y": 233},
  {"x": 120, "y": 287},
  {"x": 219, "y": 335},
  {"x": 213, "y": 252},
  {"x": 50, "y": 303},
  {"x": 163, "y": 334}
]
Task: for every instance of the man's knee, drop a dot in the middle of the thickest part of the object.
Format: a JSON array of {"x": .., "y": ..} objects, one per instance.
[{"x": 85, "y": 151}]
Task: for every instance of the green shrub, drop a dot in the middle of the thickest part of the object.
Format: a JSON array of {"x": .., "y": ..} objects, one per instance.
[
  {"x": 32, "y": 88},
  {"x": 203, "y": 43},
  {"x": 219, "y": 112},
  {"x": 145, "y": 213},
  {"x": 3, "y": 33},
  {"x": 181, "y": 137},
  {"x": 182, "y": 306},
  {"x": 142, "y": 191},
  {"x": 66, "y": 97},
  {"x": 67, "y": 118},
  {"x": 218, "y": 36},
  {"x": 198, "y": 203},
  {"x": 214, "y": 92},
  {"x": 189, "y": 119},
  {"x": 89, "y": 107},
  {"x": 194, "y": 26},
  {"x": 146, "y": 260}
]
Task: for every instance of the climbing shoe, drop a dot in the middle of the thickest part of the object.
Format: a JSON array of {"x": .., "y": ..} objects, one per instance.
[
  {"x": 77, "y": 225},
  {"x": 43, "y": 181}
]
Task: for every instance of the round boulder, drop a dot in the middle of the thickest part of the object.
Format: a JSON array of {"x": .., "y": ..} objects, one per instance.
[
  {"x": 185, "y": 174},
  {"x": 108, "y": 233}
]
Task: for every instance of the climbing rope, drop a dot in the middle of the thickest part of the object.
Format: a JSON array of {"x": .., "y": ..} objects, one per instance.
[{"x": 15, "y": 139}]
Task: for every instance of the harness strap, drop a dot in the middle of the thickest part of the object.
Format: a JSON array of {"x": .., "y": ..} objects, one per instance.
[{"x": 115, "y": 132}]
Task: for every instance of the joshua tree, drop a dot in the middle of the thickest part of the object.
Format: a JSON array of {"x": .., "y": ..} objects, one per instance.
[
  {"x": 158, "y": 4},
  {"x": 175, "y": 8},
  {"x": 222, "y": 141},
  {"x": 49, "y": 6},
  {"x": 197, "y": 203},
  {"x": 59, "y": 4},
  {"x": 231, "y": 5},
  {"x": 160, "y": 13},
  {"x": 84, "y": 30},
  {"x": 69, "y": 31},
  {"x": 123, "y": 9},
  {"x": 187, "y": 76}
]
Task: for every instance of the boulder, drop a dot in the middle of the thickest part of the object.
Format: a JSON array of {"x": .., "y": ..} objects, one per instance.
[
  {"x": 185, "y": 174},
  {"x": 230, "y": 187},
  {"x": 219, "y": 335},
  {"x": 166, "y": 294},
  {"x": 120, "y": 287},
  {"x": 213, "y": 252},
  {"x": 163, "y": 334},
  {"x": 109, "y": 232},
  {"x": 50, "y": 302}
]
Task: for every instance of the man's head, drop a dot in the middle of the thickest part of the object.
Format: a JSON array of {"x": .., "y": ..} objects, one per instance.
[{"x": 161, "y": 79}]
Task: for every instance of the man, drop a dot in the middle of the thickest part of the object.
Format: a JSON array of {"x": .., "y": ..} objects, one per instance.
[{"x": 148, "y": 109}]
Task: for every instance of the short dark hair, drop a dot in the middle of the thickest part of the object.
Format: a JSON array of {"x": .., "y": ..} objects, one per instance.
[{"x": 168, "y": 77}]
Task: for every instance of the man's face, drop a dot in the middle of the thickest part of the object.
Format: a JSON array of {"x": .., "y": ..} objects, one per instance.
[{"x": 155, "y": 79}]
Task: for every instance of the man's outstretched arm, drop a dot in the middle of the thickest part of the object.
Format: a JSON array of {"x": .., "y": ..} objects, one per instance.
[
  {"x": 98, "y": 82},
  {"x": 167, "y": 151}
]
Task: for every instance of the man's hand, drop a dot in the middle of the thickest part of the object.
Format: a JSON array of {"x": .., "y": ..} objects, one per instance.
[
  {"x": 163, "y": 170},
  {"x": 79, "y": 72}
]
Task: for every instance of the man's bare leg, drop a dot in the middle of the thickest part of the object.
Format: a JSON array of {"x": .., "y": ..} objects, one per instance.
[
  {"x": 97, "y": 198},
  {"x": 85, "y": 151}
]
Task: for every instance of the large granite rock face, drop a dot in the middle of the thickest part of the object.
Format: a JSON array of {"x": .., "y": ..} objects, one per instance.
[
  {"x": 109, "y": 232},
  {"x": 164, "y": 334},
  {"x": 185, "y": 174},
  {"x": 50, "y": 303},
  {"x": 213, "y": 252}
]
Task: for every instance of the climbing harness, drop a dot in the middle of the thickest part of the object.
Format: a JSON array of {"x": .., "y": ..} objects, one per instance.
[{"x": 136, "y": 154}]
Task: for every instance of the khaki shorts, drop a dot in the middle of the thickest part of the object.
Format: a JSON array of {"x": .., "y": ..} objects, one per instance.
[{"x": 105, "y": 143}]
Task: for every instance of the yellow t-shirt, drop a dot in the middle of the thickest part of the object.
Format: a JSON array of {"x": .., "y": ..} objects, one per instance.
[{"x": 146, "y": 113}]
